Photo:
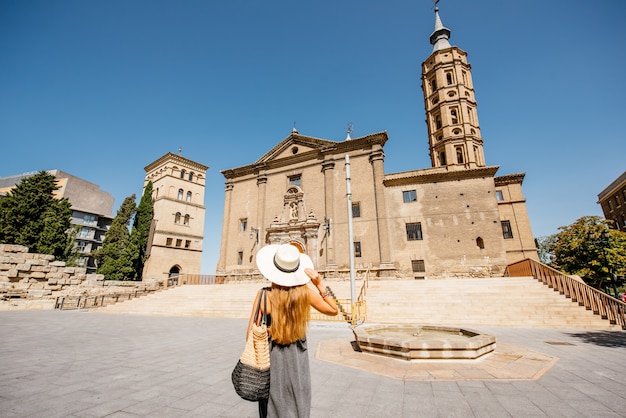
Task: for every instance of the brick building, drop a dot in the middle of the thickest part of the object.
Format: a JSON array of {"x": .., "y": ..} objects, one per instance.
[{"x": 613, "y": 202}]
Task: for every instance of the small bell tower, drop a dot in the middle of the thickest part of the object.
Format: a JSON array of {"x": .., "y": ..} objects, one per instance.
[{"x": 453, "y": 130}]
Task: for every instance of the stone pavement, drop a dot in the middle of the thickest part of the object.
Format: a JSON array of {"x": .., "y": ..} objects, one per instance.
[{"x": 82, "y": 364}]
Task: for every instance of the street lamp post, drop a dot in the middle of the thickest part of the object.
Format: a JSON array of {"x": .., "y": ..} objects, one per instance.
[{"x": 254, "y": 234}]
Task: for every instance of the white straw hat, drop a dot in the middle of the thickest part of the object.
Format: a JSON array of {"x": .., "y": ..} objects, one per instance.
[{"x": 283, "y": 264}]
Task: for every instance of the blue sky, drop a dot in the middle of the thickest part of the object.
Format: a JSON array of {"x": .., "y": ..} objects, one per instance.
[{"x": 100, "y": 89}]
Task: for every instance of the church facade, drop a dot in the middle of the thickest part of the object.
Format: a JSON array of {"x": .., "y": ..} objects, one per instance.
[{"x": 453, "y": 219}]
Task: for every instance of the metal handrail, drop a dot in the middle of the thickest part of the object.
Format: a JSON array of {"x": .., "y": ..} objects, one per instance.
[
  {"x": 355, "y": 314},
  {"x": 359, "y": 310},
  {"x": 592, "y": 299},
  {"x": 95, "y": 301}
]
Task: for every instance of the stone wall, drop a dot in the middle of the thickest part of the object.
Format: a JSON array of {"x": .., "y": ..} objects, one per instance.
[{"x": 40, "y": 276}]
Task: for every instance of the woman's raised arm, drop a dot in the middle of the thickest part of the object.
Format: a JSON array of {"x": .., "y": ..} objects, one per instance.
[{"x": 321, "y": 299}]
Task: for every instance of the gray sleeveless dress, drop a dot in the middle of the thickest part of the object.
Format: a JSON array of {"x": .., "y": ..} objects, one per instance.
[{"x": 290, "y": 381}]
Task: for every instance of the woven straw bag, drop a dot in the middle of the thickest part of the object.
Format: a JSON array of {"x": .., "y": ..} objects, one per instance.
[{"x": 251, "y": 376}]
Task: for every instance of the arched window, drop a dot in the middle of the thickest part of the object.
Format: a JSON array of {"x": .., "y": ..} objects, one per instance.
[
  {"x": 182, "y": 174},
  {"x": 180, "y": 194},
  {"x": 190, "y": 176},
  {"x": 459, "y": 155},
  {"x": 177, "y": 218},
  {"x": 437, "y": 121},
  {"x": 454, "y": 117},
  {"x": 480, "y": 243},
  {"x": 186, "y": 221},
  {"x": 188, "y": 197},
  {"x": 442, "y": 158}
]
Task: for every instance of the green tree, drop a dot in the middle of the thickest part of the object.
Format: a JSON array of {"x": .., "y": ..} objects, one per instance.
[
  {"x": 116, "y": 256},
  {"x": 30, "y": 215},
  {"x": 141, "y": 229},
  {"x": 592, "y": 250},
  {"x": 545, "y": 248},
  {"x": 71, "y": 249}
]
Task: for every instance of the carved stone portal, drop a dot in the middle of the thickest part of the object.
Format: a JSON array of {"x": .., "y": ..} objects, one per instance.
[{"x": 293, "y": 226}]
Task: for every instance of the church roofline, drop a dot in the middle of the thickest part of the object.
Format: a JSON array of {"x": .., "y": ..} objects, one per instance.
[
  {"x": 437, "y": 174},
  {"x": 510, "y": 179},
  {"x": 178, "y": 159},
  {"x": 322, "y": 147}
]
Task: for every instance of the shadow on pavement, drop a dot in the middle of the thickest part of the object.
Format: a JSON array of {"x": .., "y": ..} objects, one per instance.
[{"x": 602, "y": 338}]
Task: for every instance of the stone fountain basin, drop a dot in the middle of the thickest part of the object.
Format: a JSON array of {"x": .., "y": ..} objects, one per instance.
[{"x": 413, "y": 342}]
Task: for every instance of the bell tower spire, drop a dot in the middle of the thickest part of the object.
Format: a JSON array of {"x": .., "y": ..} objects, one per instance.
[{"x": 453, "y": 130}]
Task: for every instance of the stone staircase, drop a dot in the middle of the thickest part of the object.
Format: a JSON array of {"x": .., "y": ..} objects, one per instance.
[{"x": 495, "y": 302}]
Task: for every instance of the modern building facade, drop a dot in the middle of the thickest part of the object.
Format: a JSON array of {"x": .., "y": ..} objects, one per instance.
[
  {"x": 613, "y": 202},
  {"x": 175, "y": 242},
  {"x": 454, "y": 219},
  {"x": 92, "y": 210}
]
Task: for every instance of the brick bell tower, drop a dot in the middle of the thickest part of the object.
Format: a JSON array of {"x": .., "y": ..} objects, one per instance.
[{"x": 453, "y": 130}]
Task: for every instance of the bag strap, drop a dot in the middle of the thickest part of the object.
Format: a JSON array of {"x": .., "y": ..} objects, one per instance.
[
  {"x": 258, "y": 308},
  {"x": 264, "y": 317}
]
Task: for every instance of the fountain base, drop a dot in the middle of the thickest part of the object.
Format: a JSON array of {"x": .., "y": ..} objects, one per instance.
[{"x": 412, "y": 342}]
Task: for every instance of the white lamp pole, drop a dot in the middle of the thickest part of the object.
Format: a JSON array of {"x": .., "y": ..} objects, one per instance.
[{"x": 350, "y": 237}]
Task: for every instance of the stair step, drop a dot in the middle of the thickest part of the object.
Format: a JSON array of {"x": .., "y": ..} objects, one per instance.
[{"x": 497, "y": 302}]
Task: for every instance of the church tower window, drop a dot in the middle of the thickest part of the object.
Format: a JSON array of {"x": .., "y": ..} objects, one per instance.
[
  {"x": 442, "y": 158},
  {"x": 459, "y": 155},
  {"x": 449, "y": 77},
  {"x": 454, "y": 116}
]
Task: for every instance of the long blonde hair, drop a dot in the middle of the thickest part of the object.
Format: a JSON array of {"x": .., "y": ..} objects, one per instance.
[{"x": 290, "y": 313}]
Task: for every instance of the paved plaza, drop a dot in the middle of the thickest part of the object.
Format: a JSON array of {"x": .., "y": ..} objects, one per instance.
[{"x": 88, "y": 364}]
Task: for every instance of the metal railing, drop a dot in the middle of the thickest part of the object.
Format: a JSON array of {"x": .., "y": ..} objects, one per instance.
[
  {"x": 355, "y": 314},
  {"x": 592, "y": 299},
  {"x": 85, "y": 301},
  {"x": 198, "y": 279}
]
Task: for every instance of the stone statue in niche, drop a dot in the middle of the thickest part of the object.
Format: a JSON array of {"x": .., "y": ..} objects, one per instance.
[{"x": 293, "y": 209}]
